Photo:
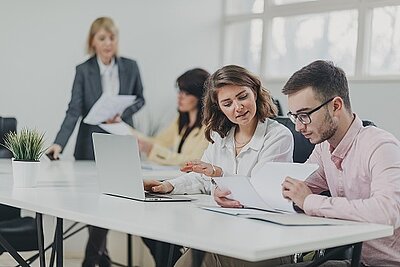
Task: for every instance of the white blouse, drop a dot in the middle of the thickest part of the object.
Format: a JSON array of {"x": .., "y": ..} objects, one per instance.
[
  {"x": 109, "y": 77},
  {"x": 271, "y": 142}
]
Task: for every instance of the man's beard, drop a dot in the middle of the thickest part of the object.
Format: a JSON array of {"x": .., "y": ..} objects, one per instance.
[{"x": 328, "y": 129}]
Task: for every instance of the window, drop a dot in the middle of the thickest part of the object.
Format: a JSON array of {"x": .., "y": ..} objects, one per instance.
[
  {"x": 274, "y": 38},
  {"x": 385, "y": 41}
]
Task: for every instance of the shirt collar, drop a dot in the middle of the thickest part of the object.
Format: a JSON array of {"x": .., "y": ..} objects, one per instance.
[
  {"x": 347, "y": 141},
  {"x": 103, "y": 68},
  {"x": 256, "y": 141}
]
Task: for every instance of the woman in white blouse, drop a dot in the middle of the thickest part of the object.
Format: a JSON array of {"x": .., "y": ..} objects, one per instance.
[{"x": 237, "y": 112}]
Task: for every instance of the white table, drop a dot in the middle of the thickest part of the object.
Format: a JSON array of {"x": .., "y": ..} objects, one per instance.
[{"x": 69, "y": 190}]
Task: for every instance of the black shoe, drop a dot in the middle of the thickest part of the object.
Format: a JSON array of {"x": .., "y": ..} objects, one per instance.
[
  {"x": 88, "y": 263},
  {"x": 104, "y": 261}
]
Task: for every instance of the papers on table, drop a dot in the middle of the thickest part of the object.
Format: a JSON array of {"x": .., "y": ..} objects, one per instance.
[
  {"x": 264, "y": 190},
  {"x": 287, "y": 219},
  {"x": 157, "y": 167},
  {"x": 120, "y": 128},
  {"x": 107, "y": 107}
]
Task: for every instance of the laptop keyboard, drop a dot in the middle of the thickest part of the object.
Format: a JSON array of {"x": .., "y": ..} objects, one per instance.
[{"x": 150, "y": 195}]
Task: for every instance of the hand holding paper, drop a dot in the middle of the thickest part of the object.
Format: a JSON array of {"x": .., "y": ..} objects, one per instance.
[
  {"x": 263, "y": 190},
  {"x": 107, "y": 107}
]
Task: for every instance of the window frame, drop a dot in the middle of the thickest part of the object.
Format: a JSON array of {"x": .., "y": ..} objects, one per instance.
[{"x": 363, "y": 7}]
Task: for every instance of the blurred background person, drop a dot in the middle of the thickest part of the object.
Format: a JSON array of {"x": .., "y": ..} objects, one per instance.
[
  {"x": 103, "y": 73},
  {"x": 184, "y": 138}
]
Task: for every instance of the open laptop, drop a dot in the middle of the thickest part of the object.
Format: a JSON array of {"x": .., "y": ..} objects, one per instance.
[{"x": 119, "y": 168}]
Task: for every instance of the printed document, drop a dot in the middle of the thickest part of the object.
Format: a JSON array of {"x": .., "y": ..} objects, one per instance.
[
  {"x": 119, "y": 128},
  {"x": 264, "y": 189},
  {"x": 287, "y": 219},
  {"x": 107, "y": 107}
]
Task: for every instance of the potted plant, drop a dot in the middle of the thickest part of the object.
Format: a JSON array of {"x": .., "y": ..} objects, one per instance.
[{"x": 27, "y": 147}]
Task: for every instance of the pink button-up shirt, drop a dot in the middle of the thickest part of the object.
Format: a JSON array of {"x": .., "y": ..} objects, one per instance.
[{"x": 363, "y": 175}]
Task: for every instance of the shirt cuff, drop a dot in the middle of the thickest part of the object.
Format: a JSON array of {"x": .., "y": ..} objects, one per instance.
[{"x": 312, "y": 204}]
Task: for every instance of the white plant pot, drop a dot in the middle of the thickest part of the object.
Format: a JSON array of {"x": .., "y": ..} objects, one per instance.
[{"x": 25, "y": 173}]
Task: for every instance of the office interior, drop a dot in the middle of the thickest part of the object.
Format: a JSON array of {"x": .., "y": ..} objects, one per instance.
[{"x": 42, "y": 42}]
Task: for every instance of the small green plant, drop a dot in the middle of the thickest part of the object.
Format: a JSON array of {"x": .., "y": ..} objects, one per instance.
[{"x": 27, "y": 145}]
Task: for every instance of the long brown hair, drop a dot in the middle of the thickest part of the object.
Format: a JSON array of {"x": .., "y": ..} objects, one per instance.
[{"x": 214, "y": 119}]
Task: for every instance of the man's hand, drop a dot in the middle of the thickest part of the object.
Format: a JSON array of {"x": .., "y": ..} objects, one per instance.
[
  {"x": 220, "y": 197},
  {"x": 157, "y": 186},
  {"x": 295, "y": 190}
]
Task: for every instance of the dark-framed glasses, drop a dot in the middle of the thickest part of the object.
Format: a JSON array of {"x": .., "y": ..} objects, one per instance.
[{"x": 304, "y": 117}]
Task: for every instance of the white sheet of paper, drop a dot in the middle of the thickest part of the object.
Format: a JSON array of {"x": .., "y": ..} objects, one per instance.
[
  {"x": 268, "y": 181},
  {"x": 243, "y": 191},
  {"x": 120, "y": 128},
  {"x": 107, "y": 106},
  {"x": 264, "y": 189},
  {"x": 288, "y": 219}
]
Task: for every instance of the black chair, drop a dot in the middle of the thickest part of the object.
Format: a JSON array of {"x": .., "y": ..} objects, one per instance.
[
  {"x": 302, "y": 147},
  {"x": 16, "y": 232}
]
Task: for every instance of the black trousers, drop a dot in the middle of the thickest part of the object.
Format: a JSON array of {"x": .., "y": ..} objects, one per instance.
[
  {"x": 164, "y": 254},
  {"x": 96, "y": 248}
]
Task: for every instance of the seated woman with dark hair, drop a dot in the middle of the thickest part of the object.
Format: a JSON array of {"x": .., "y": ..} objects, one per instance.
[
  {"x": 181, "y": 141},
  {"x": 184, "y": 138}
]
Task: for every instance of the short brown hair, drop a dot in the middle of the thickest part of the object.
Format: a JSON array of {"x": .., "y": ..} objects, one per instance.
[
  {"x": 105, "y": 23},
  {"x": 214, "y": 119},
  {"x": 324, "y": 78}
]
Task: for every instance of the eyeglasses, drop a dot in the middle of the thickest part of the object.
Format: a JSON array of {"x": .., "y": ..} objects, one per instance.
[{"x": 304, "y": 117}]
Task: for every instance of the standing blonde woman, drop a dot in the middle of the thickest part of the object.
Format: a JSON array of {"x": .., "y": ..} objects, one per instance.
[{"x": 103, "y": 73}]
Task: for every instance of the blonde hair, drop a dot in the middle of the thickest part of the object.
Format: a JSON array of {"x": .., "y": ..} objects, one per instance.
[{"x": 105, "y": 23}]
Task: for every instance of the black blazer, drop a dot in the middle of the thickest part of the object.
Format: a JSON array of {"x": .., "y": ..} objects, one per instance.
[{"x": 86, "y": 90}]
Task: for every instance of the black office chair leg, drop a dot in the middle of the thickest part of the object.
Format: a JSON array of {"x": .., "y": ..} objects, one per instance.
[
  {"x": 7, "y": 246},
  {"x": 39, "y": 226},
  {"x": 34, "y": 257}
]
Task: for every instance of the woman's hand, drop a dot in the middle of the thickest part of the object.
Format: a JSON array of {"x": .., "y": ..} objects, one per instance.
[
  {"x": 54, "y": 151},
  {"x": 115, "y": 119},
  {"x": 145, "y": 146},
  {"x": 201, "y": 167},
  {"x": 157, "y": 186},
  {"x": 220, "y": 197}
]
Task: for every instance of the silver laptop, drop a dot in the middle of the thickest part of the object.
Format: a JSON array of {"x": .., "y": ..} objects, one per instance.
[{"x": 119, "y": 168}]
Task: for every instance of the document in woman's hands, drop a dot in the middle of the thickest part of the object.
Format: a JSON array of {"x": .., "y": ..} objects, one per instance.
[
  {"x": 264, "y": 190},
  {"x": 107, "y": 106}
]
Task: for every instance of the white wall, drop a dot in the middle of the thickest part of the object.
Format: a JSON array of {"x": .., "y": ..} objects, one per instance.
[
  {"x": 42, "y": 41},
  {"x": 377, "y": 101}
]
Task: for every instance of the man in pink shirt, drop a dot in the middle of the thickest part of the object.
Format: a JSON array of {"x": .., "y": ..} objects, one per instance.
[{"x": 360, "y": 166}]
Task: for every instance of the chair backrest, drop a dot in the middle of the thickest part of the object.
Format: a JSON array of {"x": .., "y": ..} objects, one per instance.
[
  {"x": 302, "y": 147},
  {"x": 6, "y": 125}
]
